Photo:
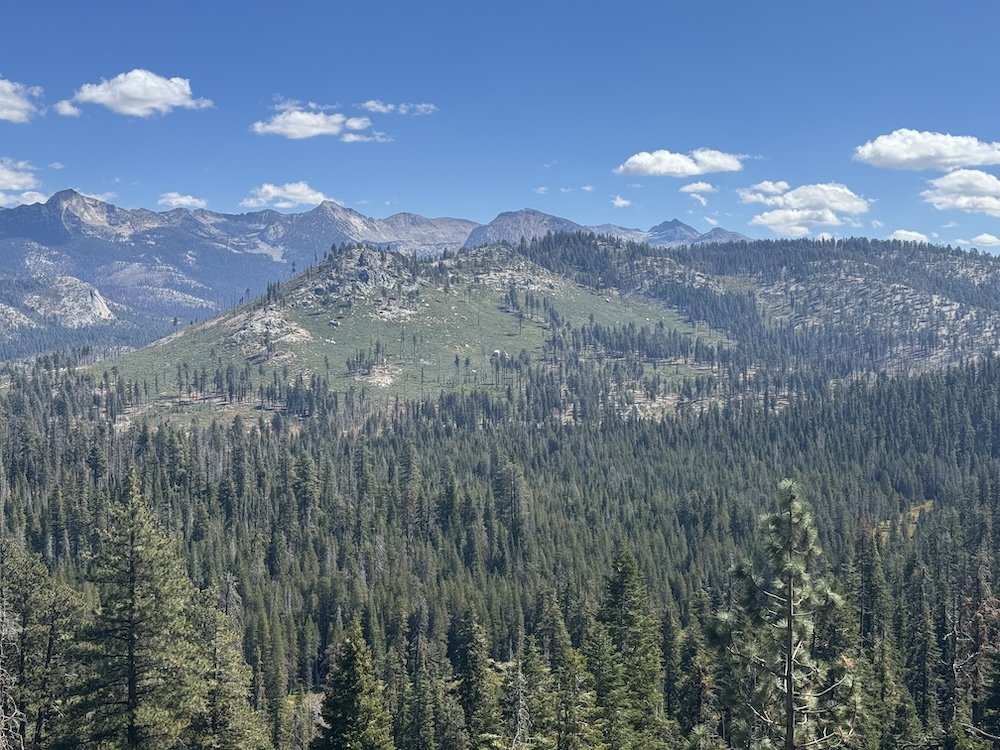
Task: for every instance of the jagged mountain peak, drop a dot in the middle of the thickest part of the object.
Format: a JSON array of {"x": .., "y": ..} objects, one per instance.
[
  {"x": 511, "y": 226},
  {"x": 63, "y": 197},
  {"x": 673, "y": 224}
]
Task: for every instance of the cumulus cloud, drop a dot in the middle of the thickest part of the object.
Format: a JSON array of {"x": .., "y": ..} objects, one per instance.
[
  {"x": 798, "y": 211},
  {"x": 969, "y": 190},
  {"x": 619, "y": 202},
  {"x": 699, "y": 187},
  {"x": 66, "y": 108},
  {"x": 296, "y": 121},
  {"x": 541, "y": 190},
  {"x": 16, "y": 103},
  {"x": 767, "y": 187},
  {"x": 405, "y": 108},
  {"x": 178, "y": 200},
  {"x": 18, "y": 183},
  {"x": 663, "y": 163},
  {"x": 921, "y": 149},
  {"x": 16, "y": 175},
  {"x": 289, "y": 195},
  {"x": 374, "y": 137},
  {"x": 986, "y": 240},
  {"x": 907, "y": 235},
  {"x": 697, "y": 190},
  {"x": 587, "y": 188},
  {"x": 139, "y": 93},
  {"x": 22, "y": 199}
]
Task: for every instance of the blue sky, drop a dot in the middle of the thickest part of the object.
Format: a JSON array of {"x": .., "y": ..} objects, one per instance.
[{"x": 749, "y": 115}]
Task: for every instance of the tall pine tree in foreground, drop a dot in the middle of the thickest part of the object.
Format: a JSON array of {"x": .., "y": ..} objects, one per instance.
[
  {"x": 794, "y": 685},
  {"x": 141, "y": 666},
  {"x": 354, "y": 707}
]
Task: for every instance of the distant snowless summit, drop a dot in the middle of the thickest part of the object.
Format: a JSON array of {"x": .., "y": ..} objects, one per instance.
[{"x": 511, "y": 226}]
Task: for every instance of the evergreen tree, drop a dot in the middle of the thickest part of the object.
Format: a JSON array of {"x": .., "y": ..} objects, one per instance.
[
  {"x": 225, "y": 721},
  {"x": 142, "y": 671},
  {"x": 478, "y": 688},
  {"x": 354, "y": 709},
  {"x": 11, "y": 716},
  {"x": 635, "y": 636},
  {"x": 803, "y": 693}
]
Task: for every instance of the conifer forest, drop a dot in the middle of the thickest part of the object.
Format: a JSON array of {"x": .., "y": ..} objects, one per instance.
[{"x": 763, "y": 520}]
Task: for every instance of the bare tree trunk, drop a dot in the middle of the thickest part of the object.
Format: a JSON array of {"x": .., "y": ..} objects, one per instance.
[{"x": 789, "y": 671}]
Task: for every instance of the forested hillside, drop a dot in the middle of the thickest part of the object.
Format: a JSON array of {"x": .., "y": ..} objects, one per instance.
[
  {"x": 512, "y": 498},
  {"x": 588, "y": 324},
  {"x": 496, "y": 565}
]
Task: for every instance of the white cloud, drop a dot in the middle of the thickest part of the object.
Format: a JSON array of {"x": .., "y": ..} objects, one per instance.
[
  {"x": 587, "y": 188},
  {"x": 824, "y": 236},
  {"x": 406, "y": 108},
  {"x": 66, "y": 108},
  {"x": 713, "y": 222},
  {"x": 22, "y": 199},
  {"x": 289, "y": 195},
  {"x": 907, "y": 235},
  {"x": 16, "y": 175},
  {"x": 57, "y": 165},
  {"x": 299, "y": 123},
  {"x": 375, "y": 137},
  {"x": 770, "y": 188},
  {"x": 663, "y": 163},
  {"x": 697, "y": 190},
  {"x": 799, "y": 210},
  {"x": 619, "y": 202},
  {"x": 139, "y": 93},
  {"x": 16, "y": 103},
  {"x": 565, "y": 190},
  {"x": 541, "y": 190},
  {"x": 699, "y": 187},
  {"x": 382, "y": 108},
  {"x": 296, "y": 121},
  {"x": 969, "y": 190},
  {"x": 177, "y": 200},
  {"x": 876, "y": 224},
  {"x": 419, "y": 109},
  {"x": 921, "y": 149},
  {"x": 986, "y": 240},
  {"x": 357, "y": 123},
  {"x": 950, "y": 225}
]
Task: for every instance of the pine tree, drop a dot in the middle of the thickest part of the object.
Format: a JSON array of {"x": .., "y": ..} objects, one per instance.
[
  {"x": 605, "y": 664},
  {"x": 225, "y": 721},
  {"x": 635, "y": 635},
  {"x": 804, "y": 693},
  {"x": 354, "y": 709},
  {"x": 478, "y": 689},
  {"x": 11, "y": 715},
  {"x": 142, "y": 670}
]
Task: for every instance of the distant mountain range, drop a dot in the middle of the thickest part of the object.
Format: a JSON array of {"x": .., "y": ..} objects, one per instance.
[
  {"x": 511, "y": 226},
  {"x": 76, "y": 268}
]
